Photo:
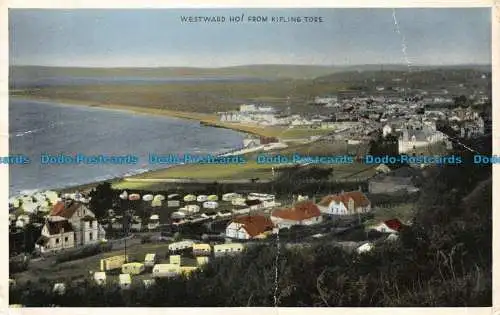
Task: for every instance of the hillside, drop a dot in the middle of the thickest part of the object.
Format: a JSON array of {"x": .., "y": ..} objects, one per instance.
[
  {"x": 422, "y": 78},
  {"x": 251, "y": 71}
]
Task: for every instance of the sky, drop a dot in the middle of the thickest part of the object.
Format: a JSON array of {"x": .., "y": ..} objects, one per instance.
[{"x": 158, "y": 37}]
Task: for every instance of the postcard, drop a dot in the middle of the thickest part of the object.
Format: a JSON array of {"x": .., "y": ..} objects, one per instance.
[{"x": 244, "y": 157}]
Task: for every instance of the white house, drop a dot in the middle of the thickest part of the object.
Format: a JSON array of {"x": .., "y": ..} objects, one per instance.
[
  {"x": 390, "y": 226},
  {"x": 248, "y": 227},
  {"x": 86, "y": 228},
  {"x": 303, "y": 213},
  {"x": 56, "y": 235},
  {"x": 347, "y": 203}
]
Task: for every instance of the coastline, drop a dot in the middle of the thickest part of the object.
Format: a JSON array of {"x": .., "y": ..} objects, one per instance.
[
  {"x": 210, "y": 120},
  {"x": 206, "y": 119}
]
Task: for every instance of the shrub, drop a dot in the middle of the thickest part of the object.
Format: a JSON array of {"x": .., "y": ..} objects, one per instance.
[{"x": 84, "y": 252}]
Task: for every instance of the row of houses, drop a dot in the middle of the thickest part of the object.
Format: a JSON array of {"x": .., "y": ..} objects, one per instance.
[{"x": 302, "y": 213}]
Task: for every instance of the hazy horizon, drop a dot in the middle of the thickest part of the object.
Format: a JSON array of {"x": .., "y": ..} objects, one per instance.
[
  {"x": 261, "y": 64},
  {"x": 156, "y": 38}
]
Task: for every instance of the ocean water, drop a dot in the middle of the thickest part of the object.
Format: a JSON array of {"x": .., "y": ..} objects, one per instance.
[{"x": 37, "y": 127}]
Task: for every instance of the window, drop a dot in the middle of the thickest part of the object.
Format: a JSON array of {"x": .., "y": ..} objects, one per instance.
[
  {"x": 57, "y": 240},
  {"x": 90, "y": 236},
  {"x": 66, "y": 239}
]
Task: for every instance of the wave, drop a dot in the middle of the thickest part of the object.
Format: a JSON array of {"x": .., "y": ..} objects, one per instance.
[{"x": 28, "y": 132}]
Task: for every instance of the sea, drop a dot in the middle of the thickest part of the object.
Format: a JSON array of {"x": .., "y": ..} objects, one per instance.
[{"x": 37, "y": 127}]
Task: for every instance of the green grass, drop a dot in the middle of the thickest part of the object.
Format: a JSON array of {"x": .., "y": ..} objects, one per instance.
[
  {"x": 403, "y": 212},
  {"x": 253, "y": 169},
  {"x": 206, "y": 171}
]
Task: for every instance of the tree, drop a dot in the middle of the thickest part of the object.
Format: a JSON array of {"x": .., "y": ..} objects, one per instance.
[
  {"x": 461, "y": 101},
  {"x": 101, "y": 199}
]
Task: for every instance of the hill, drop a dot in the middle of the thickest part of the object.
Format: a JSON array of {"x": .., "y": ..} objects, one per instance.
[
  {"x": 250, "y": 71},
  {"x": 263, "y": 71}
]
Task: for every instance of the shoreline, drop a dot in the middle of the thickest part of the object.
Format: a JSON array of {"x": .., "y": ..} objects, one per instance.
[
  {"x": 209, "y": 120},
  {"x": 205, "y": 119}
]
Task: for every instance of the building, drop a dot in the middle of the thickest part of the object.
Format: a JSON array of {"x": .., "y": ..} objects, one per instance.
[
  {"x": 414, "y": 138},
  {"x": 302, "y": 213},
  {"x": 248, "y": 227},
  {"x": 56, "y": 235},
  {"x": 86, "y": 228},
  {"x": 346, "y": 203},
  {"x": 389, "y": 226}
]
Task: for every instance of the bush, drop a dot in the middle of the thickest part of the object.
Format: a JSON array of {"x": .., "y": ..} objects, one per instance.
[
  {"x": 84, "y": 252},
  {"x": 17, "y": 265}
]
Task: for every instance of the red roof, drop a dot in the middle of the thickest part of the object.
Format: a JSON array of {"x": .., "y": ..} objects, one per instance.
[
  {"x": 301, "y": 211},
  {"x": 360, "y": 199},
  {"x": 255, "y": 225},
  {"x": 394, "y": 224},
  {"x": 65, "y": 210}
]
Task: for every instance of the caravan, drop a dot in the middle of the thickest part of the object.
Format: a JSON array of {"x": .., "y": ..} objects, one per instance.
[
  {"x": 100, "y": 278},
  {"x": 228, "y": 249},
  {"x": 134, "y": 268},
  {"x": 202, "y": 250},
  {"x": 112, "y": 263},
  {"x": 166, "y": 270},
  {"x": 150, "y": 260},
  {"x": 180, "y": 245},
  {"x": 125, "y": 281}
]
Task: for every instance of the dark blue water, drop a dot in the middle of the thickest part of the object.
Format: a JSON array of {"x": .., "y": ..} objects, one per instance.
[{"x": 36, "y": 127}]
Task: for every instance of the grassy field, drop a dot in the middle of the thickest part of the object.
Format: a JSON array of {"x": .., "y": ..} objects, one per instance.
[
  {"x": 214, "y": 171},
  {"x": 254, "y": 170}
]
